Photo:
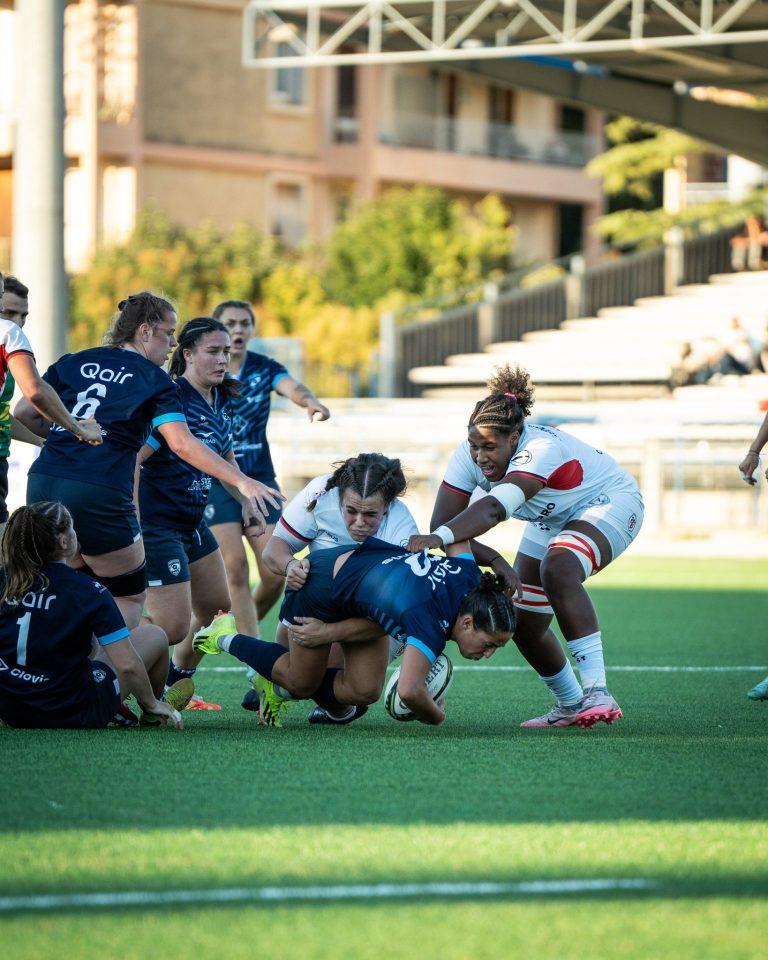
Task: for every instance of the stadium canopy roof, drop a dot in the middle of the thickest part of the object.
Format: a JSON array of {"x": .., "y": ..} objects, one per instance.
[{"x": 683, "y": 64}]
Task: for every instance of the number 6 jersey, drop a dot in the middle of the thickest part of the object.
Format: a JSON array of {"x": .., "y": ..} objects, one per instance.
[{"x": 127, "y": 394}]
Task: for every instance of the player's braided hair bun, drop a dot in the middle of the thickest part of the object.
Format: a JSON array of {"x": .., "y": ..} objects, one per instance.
[
  {"x": 509, "y": 402},
  {"x": 491, "y": 608},
  {"x": 367, "y": 474},
  {"x": 137, "y": 308}
]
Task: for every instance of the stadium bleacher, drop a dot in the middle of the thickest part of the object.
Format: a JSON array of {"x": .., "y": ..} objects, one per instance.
[{"x": 624, "y": 351}]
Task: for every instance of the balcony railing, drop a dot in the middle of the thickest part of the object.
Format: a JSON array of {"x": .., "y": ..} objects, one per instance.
[{"x": 483, "y": 138}]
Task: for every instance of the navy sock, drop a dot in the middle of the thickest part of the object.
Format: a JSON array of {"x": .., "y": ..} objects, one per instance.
[
  {"x": 259, "y": 654},
  {"x": 177, "y": 673},
  {"x": 325, "y": 691}
]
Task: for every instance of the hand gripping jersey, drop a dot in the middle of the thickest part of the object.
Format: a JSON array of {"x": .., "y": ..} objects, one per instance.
[
  {"x": 323, "y": 527},
  {"x": 12, "y": 340},
  {"x": 415, "y": 597},
  {"x": 173, "y": 493},
  {"x": 45, "y": 641},
  {"x": 574, "y": 474},
  {"x": 127, "y": 394}
]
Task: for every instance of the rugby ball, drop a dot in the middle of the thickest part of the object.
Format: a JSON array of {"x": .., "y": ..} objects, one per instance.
[{"x": 438, "y": 683}]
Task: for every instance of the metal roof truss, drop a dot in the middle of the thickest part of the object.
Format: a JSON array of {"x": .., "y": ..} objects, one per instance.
[{"x": 346, "y": 32}]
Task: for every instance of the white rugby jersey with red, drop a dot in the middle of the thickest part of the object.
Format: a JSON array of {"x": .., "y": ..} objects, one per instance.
[
  {"x": 574, "y": 474},
  {"x": 12, "y": 340},
  {"x": 323, "y": 527}
]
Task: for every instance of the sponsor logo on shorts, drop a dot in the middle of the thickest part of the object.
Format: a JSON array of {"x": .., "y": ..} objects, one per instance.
[
  {"x": 99, "y": 676},
  {"x": 174, "y": 567},
  {"x": 209, "y": 511},
  {"x": 632, "y": 522}
]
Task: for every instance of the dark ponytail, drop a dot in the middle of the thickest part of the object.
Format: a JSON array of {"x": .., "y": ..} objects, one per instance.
[
  {"x": 491, "y": 608},
  {"x": 192, "y": 331}
]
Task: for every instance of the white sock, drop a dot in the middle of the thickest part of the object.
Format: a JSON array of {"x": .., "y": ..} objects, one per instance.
[
  {"x": 350, "y": 713},
  {"x": 224, "y": 641},
  {"x": 565, "y": 688},
  {"x": 587, "y": 653}
]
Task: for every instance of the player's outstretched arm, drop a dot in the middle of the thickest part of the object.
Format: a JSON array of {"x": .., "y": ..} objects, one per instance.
[
  {"x": 309, "y": 632},
  {"x": 751, "y": 461},
  {"x": 412, "y": 690},
  {"x": 23, "y": 434},
  {"x": 44, "y": 399},
  {"x": 302, "y": 396},
  {"x": 186, "y": 446},
  {"x": 133, "y": 679}
]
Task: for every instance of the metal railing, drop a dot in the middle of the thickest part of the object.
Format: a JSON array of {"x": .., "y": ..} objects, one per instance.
[
  {"x": 509, "y": 309},
  {"x": 622, "y": 281},
  {"x": 486, "y": 138}
]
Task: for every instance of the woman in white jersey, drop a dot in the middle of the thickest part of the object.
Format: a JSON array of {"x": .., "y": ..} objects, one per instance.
[
  {"x": 582, "y": 511},
  {"x": 358, "y": 500}
]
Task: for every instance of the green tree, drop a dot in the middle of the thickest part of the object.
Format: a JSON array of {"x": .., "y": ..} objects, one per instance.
[
  {"x": 421, "y": 242},
  {"x": 632, "y": 170},
  {"x": 195, "y": 268}
]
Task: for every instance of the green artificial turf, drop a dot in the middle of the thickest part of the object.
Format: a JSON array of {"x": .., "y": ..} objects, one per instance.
[{"x": 673, "y": 796}]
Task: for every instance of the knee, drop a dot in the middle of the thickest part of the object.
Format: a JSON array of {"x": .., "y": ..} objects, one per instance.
[
  {"x": 303, "y": 688},
  {"x": 559, "y": 573},
  {"x": 173, "y": 626},
  {"x": 237, "y": 574},
  {"x": 152, "y": 636},
  {"x": 365, "y": 695}
]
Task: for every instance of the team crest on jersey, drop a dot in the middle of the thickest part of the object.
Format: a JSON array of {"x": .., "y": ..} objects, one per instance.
[
  {"x": 99, "y": 676},
  {"x": 174, "y": 567},
  {"x": 523, "y": 457}
]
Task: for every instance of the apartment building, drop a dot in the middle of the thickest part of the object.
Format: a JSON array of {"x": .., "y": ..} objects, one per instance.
[{"x": 160, "y": 110}]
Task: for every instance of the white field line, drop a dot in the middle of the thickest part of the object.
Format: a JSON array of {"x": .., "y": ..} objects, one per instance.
[
  {"x": 376, "y": 891},
  {"x": 503, "y": 668}
]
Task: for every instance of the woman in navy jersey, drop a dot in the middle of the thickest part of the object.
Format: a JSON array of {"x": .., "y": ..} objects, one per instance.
[
  {"x": 360, "y": 499},
  {"x": 185, "y": 572},
  {"x": 123, "y": 386},
  {"x": 259, "y": 375},
  {"x": 53, "y": 675},
  {"x": 582, "y": 511},
  {"x": 422, "y": 600}
]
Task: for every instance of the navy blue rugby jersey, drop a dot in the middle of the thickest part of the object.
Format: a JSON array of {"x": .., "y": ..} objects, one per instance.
[
  {"x": 173, "y": 493},
  {"x": 258, "y": 377},
  {"x": 45, "y": 641},
  {"x": 414, "y": 596},
  {"x": 128, "y": 395}
]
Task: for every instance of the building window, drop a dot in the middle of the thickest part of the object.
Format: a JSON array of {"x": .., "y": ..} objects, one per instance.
[
  {"x": 288, "y": 83},
  {"x": 119, "y": 45},
  {"x": 288, "y": 212}
]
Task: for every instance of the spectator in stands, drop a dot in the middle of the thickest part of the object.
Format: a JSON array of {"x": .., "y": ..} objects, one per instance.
[
  {"x": 738, "y": 353},
  {"x": 749, "y": 248},
  {"x": 699, "y": 361},
  {"x": 748, "y": 467}
]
